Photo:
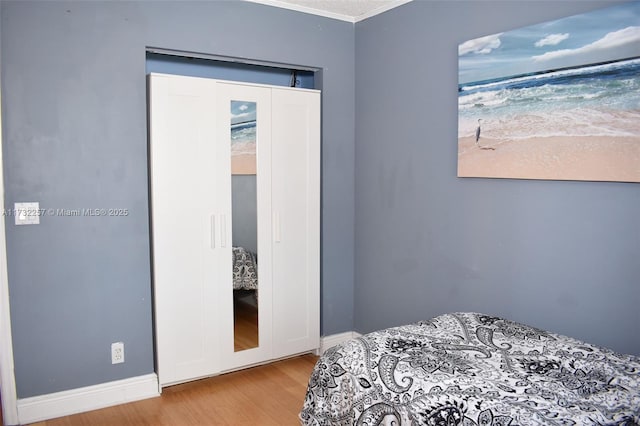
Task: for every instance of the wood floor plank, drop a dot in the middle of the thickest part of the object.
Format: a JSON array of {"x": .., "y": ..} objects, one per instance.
[{"x": 266, "y": 395}]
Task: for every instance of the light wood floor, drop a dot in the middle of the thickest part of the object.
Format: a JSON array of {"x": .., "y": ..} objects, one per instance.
[
  {"x": 245, "y": 325},
  {"x": 266, "y": 395}
]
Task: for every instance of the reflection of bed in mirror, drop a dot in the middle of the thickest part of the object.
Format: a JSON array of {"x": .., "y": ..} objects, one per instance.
[
  {"x": 245, "y": 298},
  {"x": 245, "y": 269}
]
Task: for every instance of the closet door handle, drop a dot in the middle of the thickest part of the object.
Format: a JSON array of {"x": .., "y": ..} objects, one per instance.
[
  {"x": 276, "y": 227},
  {"x": 223, "y": 231},
  {"x": 213, "y": 231}
]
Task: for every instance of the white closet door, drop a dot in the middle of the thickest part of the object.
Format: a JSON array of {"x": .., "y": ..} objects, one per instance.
[
  {"x": 186, "y": 257},
  {"x": 191, "y": 123},
  {"x": 296, "y": 215},
  {"x": 261, "y": 96}
]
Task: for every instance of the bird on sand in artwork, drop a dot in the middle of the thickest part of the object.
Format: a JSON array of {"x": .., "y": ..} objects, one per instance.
[{"x": 478, "y": 137}]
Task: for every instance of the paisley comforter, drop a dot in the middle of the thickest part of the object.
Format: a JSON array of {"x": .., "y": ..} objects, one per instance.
[
  {"x": 245, "y": 269},
  {"x": 472, "y": 369}
]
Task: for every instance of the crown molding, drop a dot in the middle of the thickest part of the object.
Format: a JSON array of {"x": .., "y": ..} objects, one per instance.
[{"x": 329, "y": 14}]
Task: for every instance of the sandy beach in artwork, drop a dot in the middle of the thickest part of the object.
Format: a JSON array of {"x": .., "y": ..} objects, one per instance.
[
  {"x": 243, "y": 164},
  {"x": 593, "y": 158}
]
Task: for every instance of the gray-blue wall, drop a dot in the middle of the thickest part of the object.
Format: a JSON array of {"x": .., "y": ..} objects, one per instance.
[
  {"x": 75, "y": 136},
  {"x": 564, "y": 256},
  {"x": 244, "y": 208}
]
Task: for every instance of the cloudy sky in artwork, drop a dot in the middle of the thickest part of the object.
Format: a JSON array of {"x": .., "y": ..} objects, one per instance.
[{"x": 600, "y": 36}]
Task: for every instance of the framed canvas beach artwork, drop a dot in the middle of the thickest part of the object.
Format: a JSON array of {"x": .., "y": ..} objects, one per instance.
[{"x": 558, "y": 100}]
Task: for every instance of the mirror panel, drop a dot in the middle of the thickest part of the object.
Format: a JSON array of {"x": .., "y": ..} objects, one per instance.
[{"x": 244, "y": 211}]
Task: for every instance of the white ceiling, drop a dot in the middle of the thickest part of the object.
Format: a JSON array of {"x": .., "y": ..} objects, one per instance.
[{"x": 345, "y": 10}]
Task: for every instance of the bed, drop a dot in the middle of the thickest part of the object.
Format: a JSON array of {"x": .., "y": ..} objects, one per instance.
[
  {"x": 471, "y": 369},
  {"x": 245, "y": 269}
]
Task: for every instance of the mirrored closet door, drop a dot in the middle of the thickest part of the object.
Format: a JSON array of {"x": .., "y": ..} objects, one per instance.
[
  {"x": 235, "y": 180},
  {"x": 244, "y": 126}
]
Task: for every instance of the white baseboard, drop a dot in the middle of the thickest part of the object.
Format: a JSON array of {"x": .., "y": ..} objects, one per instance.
[
  {"x": 74, "y": 401},
  {"x": 39, "y": 408},
  {"x": 327, "y": 342}
]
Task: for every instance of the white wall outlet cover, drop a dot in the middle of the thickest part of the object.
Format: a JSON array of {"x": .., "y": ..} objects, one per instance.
[
  {"x": 27, "y": 213},
  {"x": 117, "y": 353}
]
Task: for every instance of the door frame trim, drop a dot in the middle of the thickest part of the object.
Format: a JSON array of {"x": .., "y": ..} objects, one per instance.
[{"x": 7, "y": 374}]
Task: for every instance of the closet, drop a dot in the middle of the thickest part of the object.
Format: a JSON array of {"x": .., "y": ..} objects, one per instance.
[{"x": 235, "y": 223}]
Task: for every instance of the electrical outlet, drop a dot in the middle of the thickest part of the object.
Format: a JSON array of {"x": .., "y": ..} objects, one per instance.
[{"x": 117, "y": 353}]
